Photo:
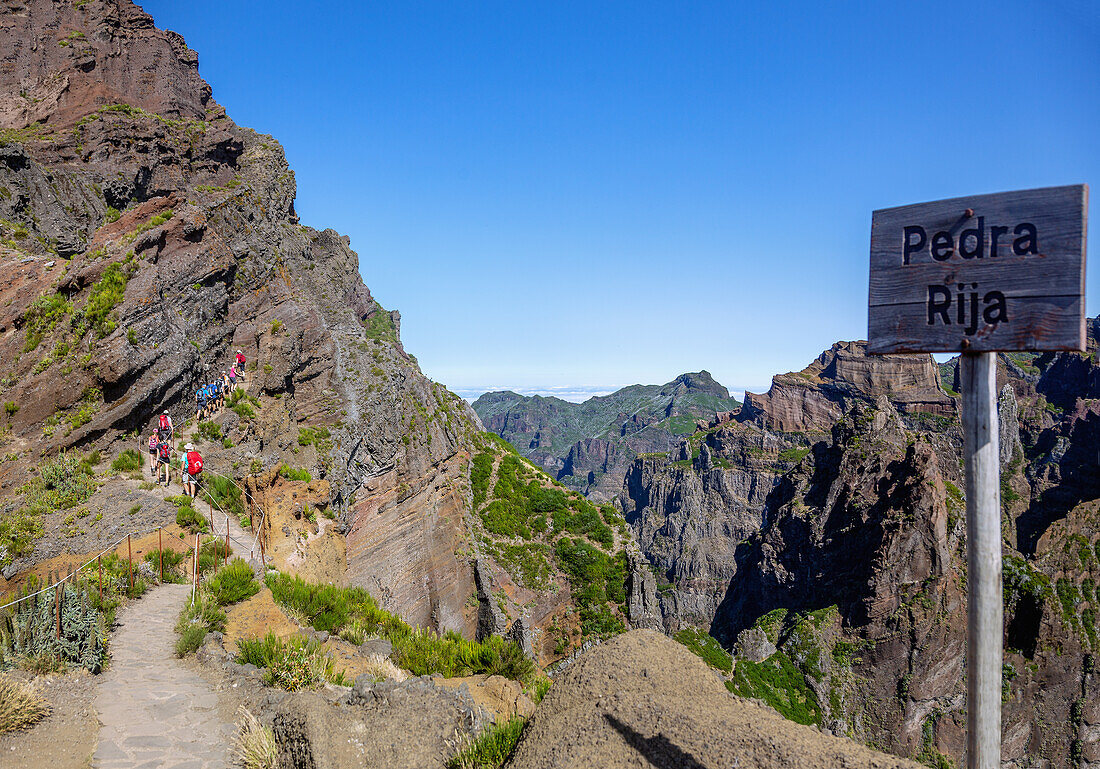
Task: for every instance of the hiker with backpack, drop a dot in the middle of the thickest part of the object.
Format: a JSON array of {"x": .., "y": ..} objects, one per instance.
[
  {"x": 232, "y": 377},
  {"x": 154, "y": 439},
  {"x": 190, "y": 470},
  {"x": 240, "y": 361},
  {"x": 164, "y": 458},
  {"x": 166, "y": 426},
  {"x": 200, "y": 403}
]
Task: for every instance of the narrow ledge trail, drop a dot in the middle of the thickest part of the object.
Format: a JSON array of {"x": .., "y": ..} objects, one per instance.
[{"x": 153, "y": 710}]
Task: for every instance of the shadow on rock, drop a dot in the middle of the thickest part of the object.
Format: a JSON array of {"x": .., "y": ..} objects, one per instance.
[{"x": 659, "y": 750}]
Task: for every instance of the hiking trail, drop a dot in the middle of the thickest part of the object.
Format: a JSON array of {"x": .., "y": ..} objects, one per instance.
[{"x": 153, "y": 710}]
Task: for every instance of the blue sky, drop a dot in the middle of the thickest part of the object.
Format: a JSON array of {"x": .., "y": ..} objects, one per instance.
[{"x": 561, "y": 195}]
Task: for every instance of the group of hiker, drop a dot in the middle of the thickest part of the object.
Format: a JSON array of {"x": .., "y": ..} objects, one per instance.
[{"x": 210, "y": 397}]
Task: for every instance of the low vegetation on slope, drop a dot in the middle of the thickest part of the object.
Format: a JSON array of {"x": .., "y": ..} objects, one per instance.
[
  {"x": 352, "y": 614},
  {"x": 61, "y": 483},
  {"x": 536, "y": 529}
]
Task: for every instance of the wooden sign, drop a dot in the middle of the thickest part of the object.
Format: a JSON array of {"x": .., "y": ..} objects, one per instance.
[{"x": 982, "y": 273}]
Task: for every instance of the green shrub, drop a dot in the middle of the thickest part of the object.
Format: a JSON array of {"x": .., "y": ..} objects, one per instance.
[
  {"x": 353, "y": 614},
  {"x": 479, "y": 477},
  {"x": 112, "y": 215},
  {"x": 223, "y": 495},
  {"x": 41, "y": 318},
  {"x": 127, "y": 462},
  {"x": 195, "y": 621},
  {"x": 492, "y": 748},
  {"x": 779, "y": 683},
  {"x": 233, "y": 583},
  {"x": 190, "y": 640},
  {"x": 292, "y": 664},
  {"x": 706, "y": 647},
  {"x": 379, "y": 325},
  {"x": 597, "y": 579},
  {"x": 11, "y": 408},
  {"x": 294, "y": 473},
  {"x": 63, "y": 482},
  {"x": 191, "y": 519},
  {"x": 210, "y": 431},
  {"x": 107, "y": 293},
  {"x": 18, "y": 531},
  {"x": 242, "y": 408},
  {"x": 172, "y": 561}
]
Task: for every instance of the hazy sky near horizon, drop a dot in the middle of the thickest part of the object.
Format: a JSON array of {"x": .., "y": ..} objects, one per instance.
[{"x": 565, "y": 195}]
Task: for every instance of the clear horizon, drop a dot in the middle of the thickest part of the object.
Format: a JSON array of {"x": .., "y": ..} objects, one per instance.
[{"x": 598, "y": 193}]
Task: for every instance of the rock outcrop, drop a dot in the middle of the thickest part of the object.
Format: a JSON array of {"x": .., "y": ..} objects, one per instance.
[
  {"x": 642, "y": 699},
  {"x": 813, "y": 399}
]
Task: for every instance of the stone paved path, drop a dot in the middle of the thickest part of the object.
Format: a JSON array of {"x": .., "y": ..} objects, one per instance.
[{"x": 154, "y": 712}]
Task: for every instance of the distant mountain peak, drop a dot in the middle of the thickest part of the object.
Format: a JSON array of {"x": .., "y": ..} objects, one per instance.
[{"x": 700, "y": 381}]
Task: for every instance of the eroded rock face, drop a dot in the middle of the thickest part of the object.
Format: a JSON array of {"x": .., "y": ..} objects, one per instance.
[
  {"x": 813, "y": 399},
  {"x": 183, "y": 224},
  {"x": 854, "y": 572}
]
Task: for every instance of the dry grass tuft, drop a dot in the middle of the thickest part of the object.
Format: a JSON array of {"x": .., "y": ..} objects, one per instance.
[
  {"x": 20, "y": 707},
  {"x": 382, "y": 669},
  {"x": 255, "y": 747}
]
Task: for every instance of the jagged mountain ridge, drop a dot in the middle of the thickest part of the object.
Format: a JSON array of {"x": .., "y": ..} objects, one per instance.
[
  {"x": 145, "y": 237},
  {"x": 589, "y": 445},
  {"x": 183, "y": 245},
  {"x": 821, "y": 531}
]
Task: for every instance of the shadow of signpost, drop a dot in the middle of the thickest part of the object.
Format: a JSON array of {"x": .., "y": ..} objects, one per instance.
[{"x": 659, "y": 750}]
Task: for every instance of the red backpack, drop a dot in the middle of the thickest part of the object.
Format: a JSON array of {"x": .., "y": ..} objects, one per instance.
[
  {"x": 164, "y": 450},
  {"x": 194, "y": 463},
  {"x": 164, "y": 422}
]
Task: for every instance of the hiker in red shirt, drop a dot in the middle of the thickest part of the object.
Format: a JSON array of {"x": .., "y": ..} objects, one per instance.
[
  {"x": 191, "y": 469},
  {"x": 166, "y": 427},
  {"x": 240, "y": 361}
]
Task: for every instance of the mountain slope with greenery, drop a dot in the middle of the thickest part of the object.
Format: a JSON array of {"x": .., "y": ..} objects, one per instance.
[{"x": 589, "y": 446}]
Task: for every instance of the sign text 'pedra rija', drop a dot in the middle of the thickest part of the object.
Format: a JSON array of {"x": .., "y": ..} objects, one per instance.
[{"x": 983, "y": 273}]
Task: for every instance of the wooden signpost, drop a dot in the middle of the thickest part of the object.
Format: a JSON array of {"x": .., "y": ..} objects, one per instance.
[{"x": 977, "y": 275}]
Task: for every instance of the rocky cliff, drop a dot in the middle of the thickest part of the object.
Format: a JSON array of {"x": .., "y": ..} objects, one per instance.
[
  {"x": 589, "y": 446},
  {"x": 144, "y": 237},
  {"x": 821, "y": 536}
]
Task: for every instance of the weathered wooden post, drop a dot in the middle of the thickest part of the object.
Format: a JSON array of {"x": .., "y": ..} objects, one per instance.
[
  {"x": 979, "y": 275},
  {"x": 130, "y": 563},
  {"x": 59, "y": 595},
  {"x": 99, "y": 562},
  {"x": 160, "y": 550}
]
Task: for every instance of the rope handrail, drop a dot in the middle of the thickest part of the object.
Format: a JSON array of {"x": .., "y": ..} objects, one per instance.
[
  {"x": 263, "y": 513},
  {"x": 73, "y": 573},
  {"x": 210, "y": 500}
]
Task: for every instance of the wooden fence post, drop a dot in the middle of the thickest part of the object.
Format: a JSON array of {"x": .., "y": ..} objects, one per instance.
[
  {"x": 130, "y": 561},
  {"x": 99, "y": 561},
  {"x": 985, "y": 608},
  {"x": 59, "y": 595},
  {"x": 160, "y": 548}
]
